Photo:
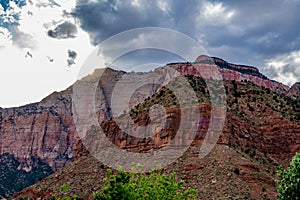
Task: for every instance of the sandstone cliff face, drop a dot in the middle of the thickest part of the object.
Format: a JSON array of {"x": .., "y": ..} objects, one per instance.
[
  {"x": 276, "y": 137},
  {"x": 241, "y": 72},
  {"x": 42, "y": 130},
  {"x": 264, "y": 134},
  {"x": 46, "y": 130}
]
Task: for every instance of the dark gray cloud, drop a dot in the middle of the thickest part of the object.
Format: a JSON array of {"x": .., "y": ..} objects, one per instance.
[
  {"x": 72, "y": 55},
  {"x": 248, "y": 32},
  {"x": 268, "y": 29},
  {"x": 63, "y": 31},
  {"x": 105, "y": 18},
  {"x": 256, "y": 25}
]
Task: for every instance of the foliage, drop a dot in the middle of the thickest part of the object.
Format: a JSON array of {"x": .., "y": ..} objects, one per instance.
[
  {"x": 65, "y": 187},
  {"x": 131, "y": 185},
  {"x": 66, "y": 198},
  {"x": 288, "y": 185},
  {"x": 236, "y": 171},
  {"x": 12, "y": 179}
]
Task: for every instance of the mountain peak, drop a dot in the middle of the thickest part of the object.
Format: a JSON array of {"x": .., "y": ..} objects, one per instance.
[{"x": 245, "y": 69}]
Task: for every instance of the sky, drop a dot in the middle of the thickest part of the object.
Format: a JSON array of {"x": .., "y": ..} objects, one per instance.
[{"x": 44, "y": 43}]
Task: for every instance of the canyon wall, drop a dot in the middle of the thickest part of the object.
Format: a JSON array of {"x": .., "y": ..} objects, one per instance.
[{"x": 46, "y": 130}]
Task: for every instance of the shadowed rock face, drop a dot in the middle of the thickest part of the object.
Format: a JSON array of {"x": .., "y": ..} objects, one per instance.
[
  {"x": 45, "y": 131},
  {"x": 37, "y": 133},
  {"x": 294, "y": 91},
  {"x": 223, "y": 64},
  {"x": 13, "y": 179}
]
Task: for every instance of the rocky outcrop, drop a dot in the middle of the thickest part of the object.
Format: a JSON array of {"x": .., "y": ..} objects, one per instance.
[
  {"x": 42, "y": 130},
  {"x": 45, "y": 131},
  {"x": 243, "y": 73},
  {"x": 37, "y": 133},
  {"x": 276, "y": 137},
  {"x": 294, "y": 91},
  {"x": 223, "y": 64},
  {"x": 269, "y": 133}
]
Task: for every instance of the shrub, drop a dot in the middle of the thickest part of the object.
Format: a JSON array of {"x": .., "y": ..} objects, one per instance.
[
  {"x": 236, "y": 171},
  {"x": 67, "y": 198},
  {"x": 65, "y": 187},
  {"x": 156, "y": 185},
  {"x": 288, "y": 184}
]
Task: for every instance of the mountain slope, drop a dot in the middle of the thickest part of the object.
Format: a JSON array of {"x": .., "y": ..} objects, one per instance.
[
  {"x": 45, "y": 131},
  {"x": 261, "y": 131}
]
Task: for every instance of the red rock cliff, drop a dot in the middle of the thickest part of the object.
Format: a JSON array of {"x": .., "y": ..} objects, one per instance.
[{"x": 46, "y": 129}]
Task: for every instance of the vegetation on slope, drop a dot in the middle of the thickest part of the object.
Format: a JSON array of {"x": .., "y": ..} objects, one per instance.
[
  {"x": 288, "y": 184},
  {"x": 234, "y": 172},
  {"x": 139, "y": 186},
  {"x": 13, "y": 179},
  {"x": 244, "y": 99}
]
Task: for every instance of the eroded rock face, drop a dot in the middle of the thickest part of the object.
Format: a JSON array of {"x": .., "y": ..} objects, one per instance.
[
  {"x": 278, "y": 138},
  {"x": 46, "y": 131},
  {"x": 42, "y": 130},
  {"x": 294, "y": 91},
  {"x": 242, "y": 72}
]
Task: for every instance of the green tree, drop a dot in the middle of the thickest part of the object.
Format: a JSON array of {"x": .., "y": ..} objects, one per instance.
[
  {"x": 288, "y": 184},
  {"x": 127, "y": 186}
]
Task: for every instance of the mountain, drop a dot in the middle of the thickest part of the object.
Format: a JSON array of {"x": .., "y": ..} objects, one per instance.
[
  {"x": 242, "y": 72},
  {"x": 294, "y": 91},
  {"x": 35, "y": 135},
  {"x": 261, "y": 131}
]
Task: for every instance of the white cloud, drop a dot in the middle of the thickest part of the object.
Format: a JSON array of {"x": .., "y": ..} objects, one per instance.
[
  {"x": 163, "y": 5},
  {"x": 5, "y": 37},
  {"x": 23, "y": 40},
  {"x": 215, "y": 14},
  {"x": 136, "y": 3},
  {"x": 25, "y": 79},
  {"x": 284, "y": 68}
]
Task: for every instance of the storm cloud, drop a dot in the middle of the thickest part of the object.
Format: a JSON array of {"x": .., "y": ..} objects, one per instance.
[
  {"x": 103, "y": 19},
  {"x": 259, "y": 33},
  {"x": 63, "y": 31},
  {"x": 247, "y": 32}
]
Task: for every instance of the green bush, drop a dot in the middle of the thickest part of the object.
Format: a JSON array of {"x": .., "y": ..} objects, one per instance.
[
  {"x": 65, "y": 187},
  {"x": 135, "y": 186},
  {"x": 288, "y": 184},
  {"x": 67, "y": 198}
]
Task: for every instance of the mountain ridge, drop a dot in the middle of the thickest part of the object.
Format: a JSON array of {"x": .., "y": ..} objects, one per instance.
[
  {"x": 261, "y": 131},
  {"x": 46, "y": 130}
]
